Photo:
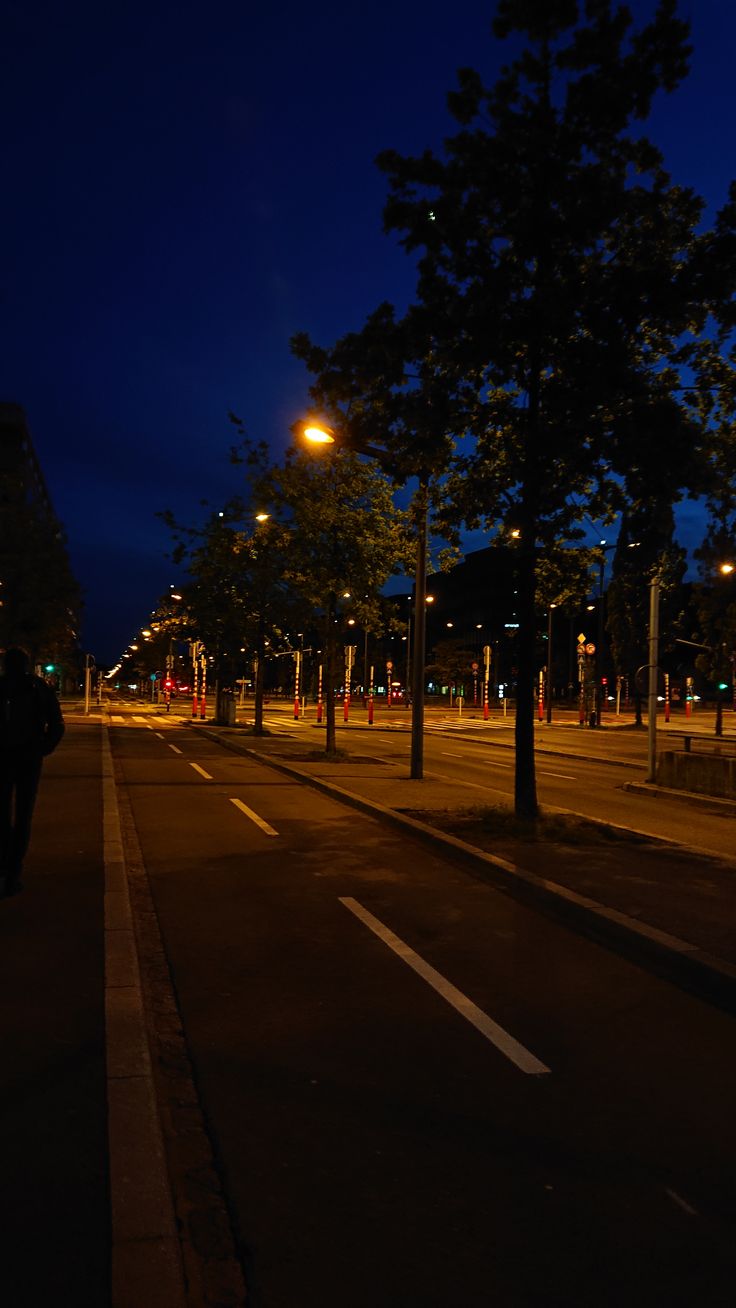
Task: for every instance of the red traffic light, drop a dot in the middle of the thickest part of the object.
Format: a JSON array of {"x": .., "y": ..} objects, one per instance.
[{"x": 168, "y": 683}]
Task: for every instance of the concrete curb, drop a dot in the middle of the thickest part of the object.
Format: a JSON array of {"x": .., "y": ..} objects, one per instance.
[
  {"x": 145, "y": 1255},
  {"x": 679, "y": 961},
  {"x": 709, "y": 803}
]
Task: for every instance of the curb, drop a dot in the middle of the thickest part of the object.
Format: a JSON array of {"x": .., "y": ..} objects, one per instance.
[
  {"x": 709, "y": 803},
  {"x": 679, "y": 961}
]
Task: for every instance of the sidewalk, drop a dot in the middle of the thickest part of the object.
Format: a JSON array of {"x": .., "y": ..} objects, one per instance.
[{"x": 665, "y": 905}]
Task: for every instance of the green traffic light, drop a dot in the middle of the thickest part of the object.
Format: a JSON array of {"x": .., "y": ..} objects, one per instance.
[
  {"x": 723, "y": 685},
  {"x": 49, "y": 667}
]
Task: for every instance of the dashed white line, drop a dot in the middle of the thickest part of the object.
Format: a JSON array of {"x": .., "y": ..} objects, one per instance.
[
  {"x": 175, "y": 748},
  {"x": 201, "y": 771},
  {"x": 505, "y": 1043},
  {"x": 259, "y": 821},
  {"x": 681, "y": 1203},
  {"x": 158, "y": 733},
  {"x": 563, "y": 776},
  {"x": 446, "y": 754}
]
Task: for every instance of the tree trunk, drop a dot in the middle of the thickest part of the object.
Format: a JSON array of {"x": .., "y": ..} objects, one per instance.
[
  {"x": 260, "y": 646},
  {"x": 525, "y": 791}
]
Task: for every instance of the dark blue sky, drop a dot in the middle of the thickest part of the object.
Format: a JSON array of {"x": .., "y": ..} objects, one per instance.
[{"x": 186, "y": 186}]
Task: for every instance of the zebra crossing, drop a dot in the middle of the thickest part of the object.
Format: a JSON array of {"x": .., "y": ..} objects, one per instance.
[{"x": 137, "y": 719}]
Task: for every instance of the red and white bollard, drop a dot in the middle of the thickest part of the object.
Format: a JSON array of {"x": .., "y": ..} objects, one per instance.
[
  {"x": 319, "y": 693},
  {"x": 666, "y": 696},
  {"x": 297, "y": 657},
  {"x": 370, "y": 700}
]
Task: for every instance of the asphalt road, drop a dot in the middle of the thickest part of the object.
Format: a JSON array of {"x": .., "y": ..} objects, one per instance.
[
  {"x": 578, "y": 771},
  {"x": 421, "y": 1092}
]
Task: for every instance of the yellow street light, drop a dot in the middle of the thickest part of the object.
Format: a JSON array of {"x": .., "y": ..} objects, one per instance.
[
  {"x": 319, "y": 435},
  {"x": 262, "y": 517},
  {"x": 727, "y": 568}
]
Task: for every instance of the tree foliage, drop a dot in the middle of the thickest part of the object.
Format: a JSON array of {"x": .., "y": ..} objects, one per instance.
[
  {"x": 345, "y": 539},
  {"x": 565, "y": 288}
]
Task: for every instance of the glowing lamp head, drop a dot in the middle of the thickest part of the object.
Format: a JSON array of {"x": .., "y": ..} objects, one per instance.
[
  {"x": 727, "y": 568},
  {"x": 319, "y": 435}
]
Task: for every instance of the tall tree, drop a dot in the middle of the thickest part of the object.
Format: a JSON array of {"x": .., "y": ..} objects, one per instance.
[
  {"x": 345, "y": 539},
  {"x": 562, "y": 274}
]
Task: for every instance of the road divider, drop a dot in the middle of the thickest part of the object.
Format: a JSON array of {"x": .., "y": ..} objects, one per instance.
[{"x": 505, "y": 1043}]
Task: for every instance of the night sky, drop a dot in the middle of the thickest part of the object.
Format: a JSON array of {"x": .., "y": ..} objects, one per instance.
[{"x": 186, "y": 186}]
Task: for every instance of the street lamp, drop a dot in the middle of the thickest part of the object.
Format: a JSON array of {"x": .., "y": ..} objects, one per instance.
[
  {"x": 319, "y": 434},
  {"x": 549, "y": 662}
]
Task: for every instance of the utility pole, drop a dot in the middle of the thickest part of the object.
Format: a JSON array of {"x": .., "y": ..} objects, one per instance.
[{"x": 653, "y": 670}]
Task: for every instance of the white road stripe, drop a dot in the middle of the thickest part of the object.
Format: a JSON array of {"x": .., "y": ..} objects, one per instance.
[
  {"x": 175, "y": 748},
  {"x": 563, "y": 776},
  {"x": 201, "y": 771},
  {"x": 158, "y": 733},
  {"x": 681, "y": 1203},
  {"x": 446, "y": 754},
  {"x": 116, "y": 718},
  {"x": 143, "y": 720},
  {"x": 505, "y": 1043},
  {"x": 254, "y": 817}
]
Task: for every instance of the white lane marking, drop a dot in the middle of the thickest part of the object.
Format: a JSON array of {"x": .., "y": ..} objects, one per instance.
[
  {"x": 254, "y": 817},
  {"x": 681, "y": 1203},
  {"x": 446, "y": 754},
  {"x": 143, "y": 720},
  {"x": 505, "y": 1043},
  {"x": 175, "y": 748},
  {"x": 116, "y": 718},
  {"x": 564, "y": 776},
  {"x": 201, "y": 771},
  {"x": 158, "y": 733}
]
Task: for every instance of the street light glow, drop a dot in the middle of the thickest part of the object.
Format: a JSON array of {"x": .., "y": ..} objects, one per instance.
[
  {"x": 319, "y": 435},
  {"x": 262, "y": 517},
  {"x": 727, "y": 568}
]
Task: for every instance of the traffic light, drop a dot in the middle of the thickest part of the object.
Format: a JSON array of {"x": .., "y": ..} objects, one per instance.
[
  {"x": 50, "y": 667},
  {"x": 723, "y": 685},
  {"x": 168, "y": 683}
]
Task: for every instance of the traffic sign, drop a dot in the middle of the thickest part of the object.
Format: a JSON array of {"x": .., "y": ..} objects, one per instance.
[{"x": 590, "y": 648}]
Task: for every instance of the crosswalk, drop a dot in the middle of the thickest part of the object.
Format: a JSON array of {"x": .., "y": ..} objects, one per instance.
[{"x": 137, "y": 720}]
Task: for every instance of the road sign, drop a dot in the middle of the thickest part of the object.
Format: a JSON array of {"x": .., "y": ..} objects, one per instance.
[
  {"x": 474, "y": 666},
  {"x": 389, "y": 665},
  {"x": 590, "y": 648}
]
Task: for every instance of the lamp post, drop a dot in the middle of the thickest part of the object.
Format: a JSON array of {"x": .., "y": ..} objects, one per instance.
[
  {"x": 549, "y": 661},
  {"x": 320, "y": 434}
]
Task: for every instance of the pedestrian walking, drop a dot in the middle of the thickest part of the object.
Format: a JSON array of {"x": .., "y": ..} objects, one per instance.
[{"x": 31, "y": 726}]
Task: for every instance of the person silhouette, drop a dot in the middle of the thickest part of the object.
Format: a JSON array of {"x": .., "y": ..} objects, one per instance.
[{"x": 31, "y": 726}]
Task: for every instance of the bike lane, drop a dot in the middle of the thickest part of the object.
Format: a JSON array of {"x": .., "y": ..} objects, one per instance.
[
  {"x": 375, "y": 1147},
  {"x": 55, "y": 1227}
]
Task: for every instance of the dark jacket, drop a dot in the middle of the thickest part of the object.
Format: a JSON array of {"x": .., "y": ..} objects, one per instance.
[{"x": 31, "y": 721}]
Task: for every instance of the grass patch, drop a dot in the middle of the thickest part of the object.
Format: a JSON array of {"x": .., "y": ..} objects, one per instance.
[
  {"x": 319, "y": 756},
  {"x": 557, "y": 828}
]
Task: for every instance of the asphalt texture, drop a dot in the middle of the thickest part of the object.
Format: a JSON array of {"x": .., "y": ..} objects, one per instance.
[
  {"x": 333, "y": 1122},
  {"x": 55, "y": 1223}
]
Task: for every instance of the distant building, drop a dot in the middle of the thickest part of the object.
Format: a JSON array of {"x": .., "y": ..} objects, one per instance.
[
  {"x": 39, "y": 597},
  {"x": 21, "y": 478}
]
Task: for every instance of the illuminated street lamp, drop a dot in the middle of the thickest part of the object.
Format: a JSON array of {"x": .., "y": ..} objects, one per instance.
[{"x": 319, "y": 434}]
